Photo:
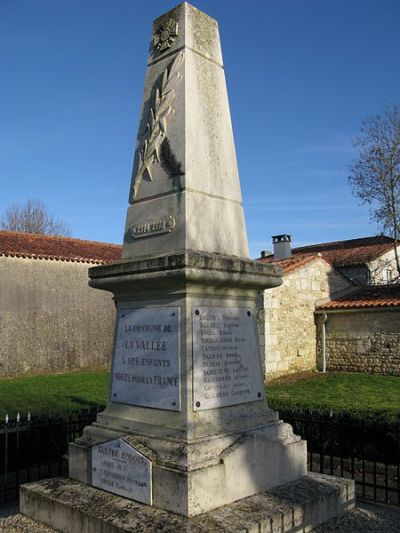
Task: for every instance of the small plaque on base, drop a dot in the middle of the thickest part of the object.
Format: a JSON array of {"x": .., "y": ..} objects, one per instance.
[{"x": 119, "y": 468}]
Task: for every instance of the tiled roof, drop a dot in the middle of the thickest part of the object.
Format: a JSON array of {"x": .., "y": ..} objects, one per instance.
[
  {"x": 371, "y": 296},
  {"x": 350, "y": 252},
  {"x": 32, "y": 245},
  {"x": 291, "y": 263}
]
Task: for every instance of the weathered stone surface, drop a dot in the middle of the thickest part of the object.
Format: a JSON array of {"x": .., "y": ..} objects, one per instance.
[
  {"x": 361, "y": 341},
  {"x": 196, "y": 30},
  {"x": 195, "y": 449},
  {"x": 185, "y": 248},
  {"x": 366, "y": 516},
  {"x": 185, "y": 161},
  {"x": 51, "y": 321},
  {"x": 286, "y": 317},
  {"x": 77, "y": 508},
  {"x": 189, "y": 267}
]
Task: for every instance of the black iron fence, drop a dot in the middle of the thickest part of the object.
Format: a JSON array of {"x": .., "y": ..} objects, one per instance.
[
  {"x": 366, "y": 449},
  {"x": 36, "y": 448}
]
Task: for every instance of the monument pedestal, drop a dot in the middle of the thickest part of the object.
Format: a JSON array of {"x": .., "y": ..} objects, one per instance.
[
  {"x": 299, "y": 506},
  {"x": 186, "y": 349}
]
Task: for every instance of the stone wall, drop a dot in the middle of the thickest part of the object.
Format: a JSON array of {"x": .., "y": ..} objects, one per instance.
[
  {"x": 286, "y": 317},
  {"x": 361, "y": 341},
  {"x": 383, "y": 269},
  {"x": 50, "y": 319}
]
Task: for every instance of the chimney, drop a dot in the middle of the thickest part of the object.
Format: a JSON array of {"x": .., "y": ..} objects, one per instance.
[
  {"x": 266, "y": 253},
  {"x": 282, "y": 248}
]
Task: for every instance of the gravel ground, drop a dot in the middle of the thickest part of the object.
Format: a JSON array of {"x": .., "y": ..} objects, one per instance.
[
  {"x": 365, "y": 518},
  {"x": 19, "y": 523}
]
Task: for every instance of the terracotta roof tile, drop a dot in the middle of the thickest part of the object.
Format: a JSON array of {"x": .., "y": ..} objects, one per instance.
[
  {"x": 350, "y": 252},
  {"x": 371, "y": 296},
  {"x": 291, "y": 263},
  {"x": 16, "y": 244}
]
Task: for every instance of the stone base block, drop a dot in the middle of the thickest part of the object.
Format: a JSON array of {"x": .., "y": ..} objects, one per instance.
[
  {"x": 237, "y": 466},
  {"x": 73, "y": 507}
]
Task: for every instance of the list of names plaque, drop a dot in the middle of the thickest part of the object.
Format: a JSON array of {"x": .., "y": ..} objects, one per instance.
[
  {"x": 119, "y": 468},
  {"x": 226, "y": 366},
  {"x": 146, "y": 359}
]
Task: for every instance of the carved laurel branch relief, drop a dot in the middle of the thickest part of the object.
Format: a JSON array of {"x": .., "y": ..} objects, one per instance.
[{"x": 156, "y": 128}]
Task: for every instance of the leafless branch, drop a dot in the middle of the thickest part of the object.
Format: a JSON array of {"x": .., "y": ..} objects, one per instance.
[
  {"x": 375, "y": 174},
  {"x": 32, "y": 217}
]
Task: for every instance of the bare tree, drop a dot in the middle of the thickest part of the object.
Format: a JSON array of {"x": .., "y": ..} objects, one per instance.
[
  {"x": 32, "y": 217},
  {"x": 375, "y": 174}
]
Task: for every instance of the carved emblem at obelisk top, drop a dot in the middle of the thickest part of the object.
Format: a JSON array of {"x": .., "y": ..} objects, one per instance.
[{"x": 165, "y": 35}]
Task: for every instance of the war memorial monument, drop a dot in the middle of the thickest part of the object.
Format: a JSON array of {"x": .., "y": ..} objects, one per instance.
[{"x": 187, "y": 441}]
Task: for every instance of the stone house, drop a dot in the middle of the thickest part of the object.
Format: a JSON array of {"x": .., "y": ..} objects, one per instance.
[
  {"x": 360, "y": 332},
  {"x": 313, "y": 275},
  {"x": 50, "y": 319},
  {"x": 286, "y": 313},
  {"x": 365, "y": 261}
]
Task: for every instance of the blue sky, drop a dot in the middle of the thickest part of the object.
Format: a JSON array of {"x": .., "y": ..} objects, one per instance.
[{"x": 301, "y": 75}]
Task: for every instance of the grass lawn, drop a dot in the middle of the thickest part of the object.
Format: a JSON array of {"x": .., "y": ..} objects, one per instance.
[
  {"x": 339, "y": 392},
  {"x": 55, "y": 394}
]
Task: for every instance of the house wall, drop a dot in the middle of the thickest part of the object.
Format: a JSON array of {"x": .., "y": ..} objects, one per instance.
[
  {"x": 381, "y": 268},
  {"x": 50, "y": 319},
  {"x": 361, "y": 341},
  {"x": 286, "y": 318}
]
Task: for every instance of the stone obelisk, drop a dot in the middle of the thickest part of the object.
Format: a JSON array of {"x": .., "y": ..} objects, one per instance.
[
  {"x": 185, "y": 191},
  {"x": 187, "y": 394},
  {"x": 186, "y": 428}
]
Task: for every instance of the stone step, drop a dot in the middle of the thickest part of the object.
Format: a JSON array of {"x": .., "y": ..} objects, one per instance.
[{"x": 73, "y": 507}]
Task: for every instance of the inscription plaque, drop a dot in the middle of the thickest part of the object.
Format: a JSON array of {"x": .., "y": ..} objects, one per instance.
[
  {"x": 226, "y": 366},
  {"x": 146, "y": 358},
  {"x": 119, "y": 468},
  {"x": 150, "y": 228}
]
